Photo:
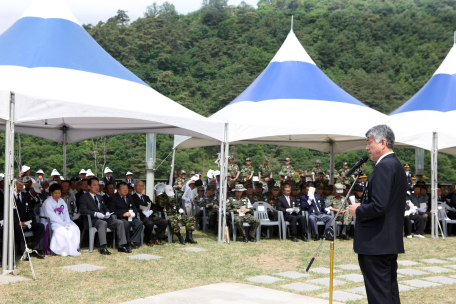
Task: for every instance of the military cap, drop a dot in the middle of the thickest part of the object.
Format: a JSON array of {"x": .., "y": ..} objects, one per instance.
[
  {"x": 345, "y": 164},
  {"x": 413, "y": 177},
  {"x": 287, "y": 159},
  {"x": 281, "y": 173},
  {"x": 271, "y": 182},
  {"x": 210, "y": 187},
  {"x": 336, "y": 175},
  {"x": 192, "y": 172},
  {"x": 363, "y": 176},
  {"x": 200, "y": 188},
  {"x": 231, "y": 157},
  {"x": 406, "y": 166},
  {"x": 330, "y": 187},
  {"x": 339, "y": 188},
  {"x": 358, "y": 188},
  {"x": 276, "y": 188},
  {"x": 421, "y": 183},
  {"x": 248, "y": 185},
  {"x": 295, "y": 188},
  {"x": 183, "y": 172},
  {"x": 239, "y": 187},
  {"x": 247, "y": 159},
  {"x": 266, "y": 159},
  {"x": 318, "y": 161},
  {"x": 320, "y": 187}
]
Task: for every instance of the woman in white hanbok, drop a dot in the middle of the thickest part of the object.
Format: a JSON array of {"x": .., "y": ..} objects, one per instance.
[{"x": 65, "y": 233}]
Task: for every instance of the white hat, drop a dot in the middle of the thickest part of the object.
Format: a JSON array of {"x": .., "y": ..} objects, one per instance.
[
  {"x": 191, "y": 181},
  {"x": 26, "y": 179},
  {"x": 128, "y": 173},
  {"x": 107, "y": 170},
  {"x": 339, "y": 188},
  {"x": 25, "y": 168},
  {"x": 101, "y": 183},
  {"x": 169, "y": 190},
  {"x": 194, "y": 177},
  {"x": 210, "y": 173},
  {"x": 89, "y": 173},
  {"x": 83, "y": 171},
  {"x": 61, "y": 177},
  {"x": 39, "y": 172},
  {"x": 37, "y": 187},
  {"x": 216, "y": 173},
  {"x": 55, "y": 173},
  {"x": 308, "y": 179}
]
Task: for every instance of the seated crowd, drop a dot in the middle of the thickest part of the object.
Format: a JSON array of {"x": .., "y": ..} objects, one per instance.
[{"x": 72, "y": 205}]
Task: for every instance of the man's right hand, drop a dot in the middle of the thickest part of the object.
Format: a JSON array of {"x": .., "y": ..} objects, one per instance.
[
  {"x": 126, "y": 214},
  {"x": 23, "y": 225}
]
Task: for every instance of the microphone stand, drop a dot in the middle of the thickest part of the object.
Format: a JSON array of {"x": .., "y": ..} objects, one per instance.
[{"x": 329, "y": 235}]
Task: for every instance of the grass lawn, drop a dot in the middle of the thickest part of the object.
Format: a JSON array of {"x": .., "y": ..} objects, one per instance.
[{"x": 126, "y": 279}]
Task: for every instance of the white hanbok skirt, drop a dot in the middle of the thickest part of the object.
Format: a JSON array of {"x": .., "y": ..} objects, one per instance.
[{"x": 65, "y": 241}]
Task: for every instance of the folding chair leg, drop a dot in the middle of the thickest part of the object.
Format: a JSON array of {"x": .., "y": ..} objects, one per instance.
[
  {"x": 258, "y": 232},
  {"x": 91, "y": 239},
  {"x": 170, "y": 234}
]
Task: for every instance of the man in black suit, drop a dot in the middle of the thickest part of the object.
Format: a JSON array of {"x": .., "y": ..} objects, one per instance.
[
  {"x": 125, "y": 210},
  {"x": 149, "y": 218},
  {"x": 129, "y": 179},
  {"x": 84, "y": 189},
  {"x": 27, "y": 221},
  {"x": 108, "y": 178},
  {"x": 286, "y": 203},
  {"x": 380, "y": 218},
  {"x": 92, "y": 204},
  {"x": 316, "y": 211}
]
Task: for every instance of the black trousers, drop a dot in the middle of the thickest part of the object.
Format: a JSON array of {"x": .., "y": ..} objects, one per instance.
[
  {"x": 149, "y": 223},
  {"x": 294, "y": 219},
  {"x": 136, "y": 228},
  {"x": 419, "y": 225},
  {"x": 380, "y": 278},
  {"x": 38, "y": 236}
]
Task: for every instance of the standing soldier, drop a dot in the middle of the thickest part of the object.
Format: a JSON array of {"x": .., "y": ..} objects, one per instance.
[
  {"x": 180, "y": 182},
  {"x": 344, "y": 169},
  {"x": 264, "y": 170},
  {"x": 176, "y": 215},
  {"x": 334, "y": 203},
  {"x": 316, "y": 170},
  {"x": 241, "y": 207},
  {"x": 247, "y": 168},
  {"x": 233, "y": 169},
  {"x": 287, "y": 169}
]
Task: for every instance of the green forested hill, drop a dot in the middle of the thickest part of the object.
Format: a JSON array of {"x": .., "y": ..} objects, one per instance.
[{"x": 381, "y": 52}]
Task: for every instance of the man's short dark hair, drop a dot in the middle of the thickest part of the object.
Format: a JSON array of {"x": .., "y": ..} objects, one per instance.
[
  {"x": 84, "y": 180},
  {"x": 416, "y": 186},
  {"x": 198, "y": 183},
  {"x": 120, "y": 184},
  {"x": 424, "y": 187},
  {"x": 66, "y": 181},
  {"x": 107, "y": 185},
  {"x": 286, "y": 186},
  {"x": 89, "y": 182}
]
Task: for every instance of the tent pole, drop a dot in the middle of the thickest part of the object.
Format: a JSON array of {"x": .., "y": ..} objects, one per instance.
[
  {"x": 171, "y": 176},
  {"x": 434, "y": 217},
  {"x": 64, "y": 130},
  {"x": 331, "y": 163},
  {"x": 225, "y": 182},
  {"x": 224, "y": 149},
  {"x": 7, "y": 223},
  {"x": 222, "y": 152}
]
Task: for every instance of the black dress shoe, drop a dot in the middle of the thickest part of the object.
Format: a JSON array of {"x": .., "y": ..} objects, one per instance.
[
  {"x": 317, "y": 237},
  {"x": 133, "y": 246},
  {"x": 105, "y": 251},
  {"x": 347, "y": 237},
  {"x": 304, "y": 238},
  {"x": 245, "y": 239},
  {"x": 123, "y": 249},
  {"x": 37, "y": 255},
  {"x": 294, "y": 239},
  {"x": 252, "y": 239}
]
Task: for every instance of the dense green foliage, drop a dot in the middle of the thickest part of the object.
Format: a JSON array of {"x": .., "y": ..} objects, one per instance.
[{"x": 381, "y": 52}]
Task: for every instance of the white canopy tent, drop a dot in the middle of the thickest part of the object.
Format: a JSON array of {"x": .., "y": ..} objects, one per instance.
[
  {"x": 66, "y": 88},
  {"x": 435, "y": 105}
]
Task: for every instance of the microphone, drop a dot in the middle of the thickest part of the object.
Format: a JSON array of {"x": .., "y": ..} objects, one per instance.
[{"x": 357, "y": 165}]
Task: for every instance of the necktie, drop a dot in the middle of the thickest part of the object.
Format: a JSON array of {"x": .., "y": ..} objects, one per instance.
[
  {"x": 288, "y": 200},
  {"x": 96, "y": 202},
  {"x": 125, "y": 200}
]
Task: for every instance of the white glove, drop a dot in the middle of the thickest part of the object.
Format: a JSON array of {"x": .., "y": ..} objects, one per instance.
[
  {"x": 297, "y": 210},
  {"x": 312, "y": 197},
  {"x": 99, "y": 215},
  {"x": 132, "y": 214},
  {"x": 1, "y": 223},
  {"x": 107, "y": 215},
  {"x": 289, "y": 210},
  {"x": 29, "y": 226},
  {"x": 181, "y": 211},
  {"x": 147, "y": 213}
]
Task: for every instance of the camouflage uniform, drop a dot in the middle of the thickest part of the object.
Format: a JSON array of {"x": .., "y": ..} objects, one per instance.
[
  {"x": 233, "y": 169},
  {"x": 264, "y": 170},
  {"x": 232, "y": 205},
  {"x": 322, "y": 184},
  {"x": 287, "y": 170},
  {"x": 172, "y": 210},
  {"x": 211, "y": 212},
  {"x": 180, "y": 181},
  {"x": 345, "y": 218},
  {"x": 247, "y": 169}
]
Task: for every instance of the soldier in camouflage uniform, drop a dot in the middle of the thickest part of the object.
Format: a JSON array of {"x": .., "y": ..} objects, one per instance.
[
  {"x": 247, "y": 168},
  {"x": 242, "y": 213},
  {"x": 287, "y": 169},
  {"x": 176, "y": 215},
  {"x": 335, "y": 201},
  {"x": 272, "y": 200},
  {"x": 200, "y": 202},
  {"x": 327, "y": 191},
  {"x": 316, "y": 170},
  {"x": 321, "y": 181},
  {"x": 180, "y": 183},
  {"x": 344, "y": 169},
  {"x": 258, "y": 195},
  {"x": 212, "y": 206},
  {"x": 264, "y": 170},
  {"x": 233, "y": 169}
]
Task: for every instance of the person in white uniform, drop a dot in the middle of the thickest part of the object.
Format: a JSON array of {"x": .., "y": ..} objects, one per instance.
[{"x": 65, "y": 233}]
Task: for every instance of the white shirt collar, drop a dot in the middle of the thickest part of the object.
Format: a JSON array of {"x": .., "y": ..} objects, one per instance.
[
  {"x": 381, "y": 157},
  {"x": 93, "y": 195}
]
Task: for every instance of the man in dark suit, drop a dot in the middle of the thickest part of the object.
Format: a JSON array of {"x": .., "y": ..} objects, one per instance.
[
  {"x": 380, "y": 218},
  {"x": 92, "y": 204},
  {"x": 149, "y": 218},
  {"x": 316, "y": 211},
  {"x": 125, "y": 210},
  {"x": 129, "y": 179},
  {"x": 84, "y": 189},
  {"x": 27, "y": 221},
  {"x": 286, "y": 203},
  {"x": 108, "y": 178}
]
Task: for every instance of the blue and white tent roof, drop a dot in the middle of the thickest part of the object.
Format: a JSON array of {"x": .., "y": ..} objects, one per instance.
[
  {"x": 62, "y": 77},
  {"x": 435, "y": 106},
  {"x": 293, "y": 103}
]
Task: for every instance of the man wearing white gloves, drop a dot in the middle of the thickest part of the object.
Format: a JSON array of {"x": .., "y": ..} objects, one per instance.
[
  {"x": 292, "y": 213},
  {"x": 124, "y": 208},
  {"x": 315, "y": 207},
  {"x": 92, "y": 204}
]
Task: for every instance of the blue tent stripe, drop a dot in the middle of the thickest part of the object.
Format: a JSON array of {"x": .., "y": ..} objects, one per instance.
[
  {"x": 294, "y": 80},
  {"x": 34, "y": 42},
  {"x": 439, "y": 94}
]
